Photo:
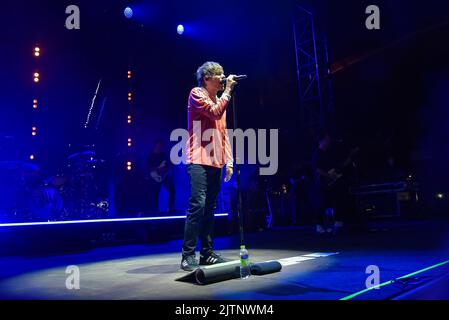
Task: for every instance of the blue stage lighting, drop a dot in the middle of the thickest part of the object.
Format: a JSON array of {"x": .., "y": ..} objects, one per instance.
[
  {"x": 42, "y": 223},
  {"x": 128, "y": 12},
  {"x": 180, "y": 29}
]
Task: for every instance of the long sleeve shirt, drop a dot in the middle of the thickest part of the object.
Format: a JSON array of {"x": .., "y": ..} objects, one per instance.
[{"x": 208, "y": 142}]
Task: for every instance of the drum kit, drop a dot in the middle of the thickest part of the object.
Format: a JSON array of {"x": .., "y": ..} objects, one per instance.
[{"x": 72, "y": 194}]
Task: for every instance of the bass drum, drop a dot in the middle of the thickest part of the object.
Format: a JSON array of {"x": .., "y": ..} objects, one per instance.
[{"x": 46, "y": 204}]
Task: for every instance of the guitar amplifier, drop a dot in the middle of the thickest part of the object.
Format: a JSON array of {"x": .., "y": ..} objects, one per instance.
[
  {"x": 378, "y": 205},
  {"x": 385, "y": 200}
]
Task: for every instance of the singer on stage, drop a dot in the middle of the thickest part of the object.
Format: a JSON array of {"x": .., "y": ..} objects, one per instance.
[{"x": 205, "y": 161}]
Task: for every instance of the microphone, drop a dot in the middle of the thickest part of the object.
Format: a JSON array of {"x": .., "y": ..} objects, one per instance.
[
  {"x": 236, "y": 78},
  {"x": 240, "y": 77}
]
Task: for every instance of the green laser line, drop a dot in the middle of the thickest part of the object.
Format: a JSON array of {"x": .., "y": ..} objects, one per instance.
[{"x": 391, "y": 281}]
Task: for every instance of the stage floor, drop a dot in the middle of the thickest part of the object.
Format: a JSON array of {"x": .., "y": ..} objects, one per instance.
[{"x": 149, "y": 271}]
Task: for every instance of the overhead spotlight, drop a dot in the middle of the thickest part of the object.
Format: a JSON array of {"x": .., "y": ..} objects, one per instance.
[
  {"x": 31, "y": 156},
  {"x": 33, "y": 131},
  {"x": 180, "y": 29},
  {"x": 440, "y": 196},
  {"x": 129, "y": 119},
  {"x": 129, "y": 74},
  {"x": 37, "y": 51},
  {"x": 128, "y": 12},
  {"x": 34, "y": 104},
  {"x": 130, "y": 142},
  {"x": 128, "y": 165},
  {"x": 36, "y": 77},
  {"x": 130, "y": 96}
]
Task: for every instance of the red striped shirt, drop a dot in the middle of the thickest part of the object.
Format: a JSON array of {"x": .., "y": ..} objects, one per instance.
[{"x": 208, "y": 142}]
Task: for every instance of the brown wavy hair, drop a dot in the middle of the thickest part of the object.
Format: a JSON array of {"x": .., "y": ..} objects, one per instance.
[{"x": 207, "y": 70}]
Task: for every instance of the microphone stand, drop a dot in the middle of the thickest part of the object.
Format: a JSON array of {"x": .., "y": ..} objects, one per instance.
[{"x": 237, "y": 174}]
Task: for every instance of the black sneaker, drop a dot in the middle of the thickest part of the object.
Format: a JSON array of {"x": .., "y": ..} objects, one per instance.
[
  {"x": 212, "y": 258},
  {"x": 189, "y": 263}
]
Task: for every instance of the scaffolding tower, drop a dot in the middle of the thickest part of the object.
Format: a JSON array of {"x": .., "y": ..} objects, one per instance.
[{"x": 313, "y": 72}]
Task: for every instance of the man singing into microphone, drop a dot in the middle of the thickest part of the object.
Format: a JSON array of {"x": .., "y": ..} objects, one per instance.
[{"x": 208, "y": 151}]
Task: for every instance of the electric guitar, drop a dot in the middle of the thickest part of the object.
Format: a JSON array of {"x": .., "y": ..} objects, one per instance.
[
  {"x": 160, "y": 173},
  {"x": 338, "y": 172}
]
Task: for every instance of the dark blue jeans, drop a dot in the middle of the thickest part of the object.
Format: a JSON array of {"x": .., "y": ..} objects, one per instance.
[{"x": 205, "y": 184}]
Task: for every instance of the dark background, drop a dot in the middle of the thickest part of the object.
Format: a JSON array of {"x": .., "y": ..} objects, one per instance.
[{"x": 391, "y": 100}]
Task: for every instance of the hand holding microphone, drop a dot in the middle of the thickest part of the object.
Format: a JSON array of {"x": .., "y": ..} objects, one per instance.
[
  {"x": 230, "y": 82},
  {"x": 232, "y": 79}
]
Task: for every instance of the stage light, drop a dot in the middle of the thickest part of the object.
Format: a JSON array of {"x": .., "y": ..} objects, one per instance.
[
  {"x": 128, "y": 12},
  {"x": 129, "y": 119},
  {"x": 36, "y": 77},
  {"x": 440, "y": 196},
  {"x": 130, "y": 96},
  {"x": 37, "y": 51},
  {"x": 31, "y": 156},
  {"x": 180, "y": 29},
  {"x": 34, "y": 104},
  {"x": 16, "y": 224},
  {"x": 33, "y": 131},
  {"x": 129, "y": 74},
  {"x": 130, "y": 142}
]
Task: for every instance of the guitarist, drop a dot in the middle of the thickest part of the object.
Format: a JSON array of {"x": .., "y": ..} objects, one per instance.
[
  {"x": 158, "y": 165},
  {"x": 329, "y": 186}
]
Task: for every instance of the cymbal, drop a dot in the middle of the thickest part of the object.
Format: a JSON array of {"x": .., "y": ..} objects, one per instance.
[
  {"x": 19, "y": 165},
  {"x": 82, "y": 153}
]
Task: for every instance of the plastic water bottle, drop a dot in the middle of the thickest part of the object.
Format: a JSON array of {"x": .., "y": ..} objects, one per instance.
[{"x": 245, "y": 270}]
